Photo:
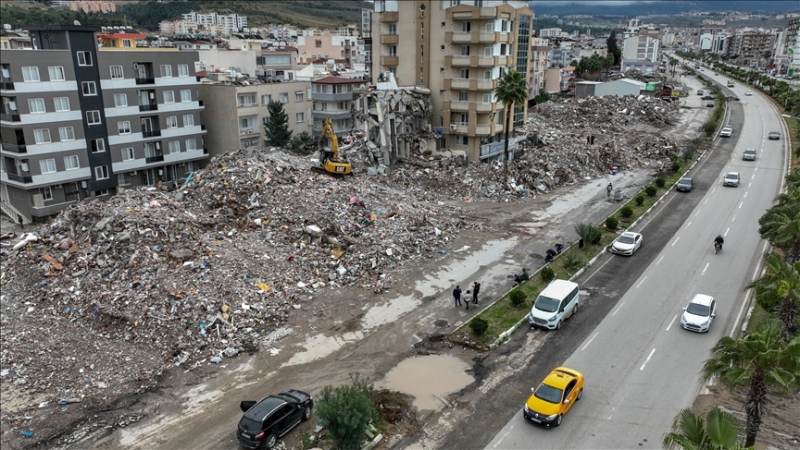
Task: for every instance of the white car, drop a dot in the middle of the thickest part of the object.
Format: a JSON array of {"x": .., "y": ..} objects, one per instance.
[
  {"x": 726, "y": 132},
  {"x": 627, "y": 243},
  {"x": 699, "y": 313},
  {"x": 748, "y": 93},
  {"x": 731, "y": 179},
  {"x": 554, "y": 304}
]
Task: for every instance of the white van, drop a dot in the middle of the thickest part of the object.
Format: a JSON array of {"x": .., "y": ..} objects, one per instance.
[{"x": 557, "y": 302}]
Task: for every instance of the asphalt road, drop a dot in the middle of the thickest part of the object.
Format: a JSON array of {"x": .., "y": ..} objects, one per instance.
[{"x": 641, "y": 368}]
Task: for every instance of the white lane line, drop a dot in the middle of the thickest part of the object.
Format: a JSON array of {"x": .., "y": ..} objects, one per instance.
[
  {"x": 740, "y": 204},
  {"x": 714, "y": 189},
  {"x": 590, "y": 340},
  {"x": 660, "y": 259},
  {"x": 749, "y": 185},
  {"x": 612, "y": 413},
  {"x": 733, "y": 219},
  {"x": 744, "y": 303},
  {"x": 705, "y": 268},
  {"x": 688, "y": 224},
  {"x": 705, "y": 200},
  {"x": 753, "y": 177},
  {"x": 616, "y": 310},
  {"x": 648, "y": 358},
  {"x": 639, "y": 284},
  {"x": 745, "y": 194},
  {"x": 725, "y": 234},
  {"x": 671, "y": 322},
  {"x": 675, "y": 241}
]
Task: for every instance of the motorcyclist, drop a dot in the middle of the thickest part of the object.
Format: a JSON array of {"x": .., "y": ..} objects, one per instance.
[{"x": 718, "y": 241}]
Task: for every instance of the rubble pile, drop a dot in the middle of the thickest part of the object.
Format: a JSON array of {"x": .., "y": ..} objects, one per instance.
[
  {"x": 567, "y": 141},
  {"x": 101, "y": 300}
]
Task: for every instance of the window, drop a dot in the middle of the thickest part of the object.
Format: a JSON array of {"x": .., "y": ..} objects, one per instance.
[
  {"x": 128, "y": 154},
  {"x": 41, "y": 135},
  {"x": 463, "y": 74},
  {"x": 120, "y": 100},
  {"x": 88, "y": 88},
  {"x": 174, "y": 147},
  {"x": 172, "y": 121},
  {"x": 392, "y": 50},
  {"x": 98, "y": 146},
  {"x": 284, "y": 97},
  {"x": 188, "y": 120},
  {"x": 392, "y": 28},
  {"x": 318, "y": 43},
  {"x": 166, "y": 70},
  {"x": 61, "y": 103},
  {"x": 266, "y": 99},
  {"x": 47, "y": 193},
  {"x": 465, "y": 50},
  {"x": 186, "y": 96},
  {"x": 116, "y": 72},
  {"x": 487, "y": 75},
  {"x": 66, "y": 134},
  {"x": 84, "y": 58},
  {"x": 487, "y": 98},
  {"x": 101, "y": 172},
  {"x": 169, "y": 97},
  {"x": 124, "y": 127},
  {"x": 47, "y": 165},
  {"x": 463, "y": 96},
  {"x": 100, "y": 192},
  {"x": 466, "y": 27},
  {"x": 122, "y": 179},
  {"x": 36, "y": 105},
  {"x": 464, "y": 140},
  {"x": 299, "y": 117},
  {"x": 72, "y": 162},
  {"x": 299, "y": 96},
  {"x": 126, "y": 43},
  {"x": 191, "y": 144},
  {"x": 487, "y": 51},
  {"x": 93, "y": 117},
  {"x": 183, "y": 70},
  {"x": 56, "y": 73},
  {"x": 30, "y": 73}
]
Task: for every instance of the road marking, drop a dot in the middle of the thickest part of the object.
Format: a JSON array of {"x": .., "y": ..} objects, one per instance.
[
  {"x": 590, "y": 340},
  {"x": 660, "y": 259},
  {"x": 640, "y": 282},
  {"x": 648, "y": 358},
  {"x": 725, "y": 234},
  {"x": 705, "y": 268},
  {"x": 749, "y": 185},
  {"x": 705, "y": 200},
  {"x": 714, "y": 189},
  {"x": 744, "y": 303},
  {"x": 598, "y": 269},
  {"x": 745, "y": 194},
  {"x": 675, "y": 241},
  {"x": 740, "y": 204},
  {"x": 671, "y": 322},
  {"x": 733, "y": 219},
  {"x": 753, "y": 177},
  {"x": 616, "y": 310},
  {"x": 688, "y": 224},
  {"x": 612, "y": 413}
]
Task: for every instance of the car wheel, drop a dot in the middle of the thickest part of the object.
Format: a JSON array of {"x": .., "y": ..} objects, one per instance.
[
  {"x": 558, "y": 419},
  {"x": 580, "y": 394},
  {"x": 558, "y": 325},
  {"x": 307, "y": 413},
  {"x": 271, "y": 441},
  {"x": 575, "y": 309}
]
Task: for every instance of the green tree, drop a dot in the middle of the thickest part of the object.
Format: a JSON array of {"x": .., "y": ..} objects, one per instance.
[
  {"x": 760, "y": 360},
  {"x": 346, "y": 412},
  {"x": 781, "y": 224},
  {"x": 277, "y": 125},
  {"x": 512, "y": 89},
  {"x": 613, "y": 49},
  {"x": 778, "y": 290},
  {"x": 716, "y": 432},
  {"x": 302, "y": 143}
]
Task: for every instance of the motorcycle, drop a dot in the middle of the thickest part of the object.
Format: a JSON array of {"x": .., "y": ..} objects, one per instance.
[{"x": 717, "y": 247}]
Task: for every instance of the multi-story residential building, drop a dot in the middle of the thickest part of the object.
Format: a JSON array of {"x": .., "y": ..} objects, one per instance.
[
  {"x": 277, "y": 63},
  {"x": 752, "y": 48},
  {"x": 119, "y": 40},
  {"x": 550, "y": 32},
  {"x": 333, "y": 98},
  {"x": 235, "y": 111},
  {"x": 366, "y": 39},
  {"x": 87, "y": 6},
  {"x": 458, "y": 50},
  {"x": 77, "y": 122},
  {"x": 539, "y": 51},
  {"x": 14, "y": 39},
  {"x": 322, "y": 45}
]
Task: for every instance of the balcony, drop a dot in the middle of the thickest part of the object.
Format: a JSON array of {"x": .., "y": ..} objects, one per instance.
[
  {"x": 467, "y": 12},
  {"x": 483, "y": 130},
  {"x": 244, "y": 132},
  {"x": 390, "y": 39},
  {"x": 15, "y": 148},
  {"x": 458, "y": 106},
  {"x": 331, "y": 97},
  {"x": 151, "y": 133},
  {"x": 389, "y": 16},
  {"x": 150, "y": 80},
  {"x": 9, "y": 117},
  {"x": 458, "y": 61},
  {"x": 149, "y": 107},
  {"x": 7, "y": 85},
  {"x": 459, "y": 83},
  {"x": 459, "y": 127},
  {"x": 483, "y": 107},
  {"x": 501, "y": 60},
  {"x": 153, "y": 159},
  {"x": 485, "y": 85},
  {"x": 471, "y": 37},
  {"x": 332, "y": 114},
  {"x": 20, "y": 178},
  {"x": 390, "y": 61}
]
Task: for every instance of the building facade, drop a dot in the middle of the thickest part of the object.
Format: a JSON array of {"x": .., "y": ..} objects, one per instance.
[
  {"x": 235, "y": 112},
  {"x": 752, "y": 48},
  {"x": 459, "y": 50},
  {"x": 539, "y": 62},
  {"x": 77, "y": 122},
  {"x": 333, "y": 98}
]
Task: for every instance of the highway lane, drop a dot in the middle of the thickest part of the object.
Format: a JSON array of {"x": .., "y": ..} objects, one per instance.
[{"x": 641, "y": 367}]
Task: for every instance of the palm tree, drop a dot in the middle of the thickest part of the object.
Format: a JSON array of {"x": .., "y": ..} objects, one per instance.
[
  {"x": 512, "y": 89},
  {"x": 716, "y": 432},
  {"x": 781, "y": 224},
  {"x": 780, "y": 286},
  {"x": 760, "y": 360}
]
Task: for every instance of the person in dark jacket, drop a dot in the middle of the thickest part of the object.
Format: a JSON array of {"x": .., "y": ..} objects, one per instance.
[
  {"x": 476, "y": 287},
  {"x": 457, "y": 295}
]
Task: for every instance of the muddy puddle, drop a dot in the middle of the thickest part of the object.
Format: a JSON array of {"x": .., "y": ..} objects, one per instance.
[{"x": 429, "y": 379}]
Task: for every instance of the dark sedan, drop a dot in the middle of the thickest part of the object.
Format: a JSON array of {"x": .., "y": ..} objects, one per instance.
[
  {"x": 266, "y": 421},
  {"x": 685, "y": 185}
]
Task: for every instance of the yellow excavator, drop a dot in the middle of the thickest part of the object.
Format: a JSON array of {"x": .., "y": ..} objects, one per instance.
[{"x": 330, "y": 160}]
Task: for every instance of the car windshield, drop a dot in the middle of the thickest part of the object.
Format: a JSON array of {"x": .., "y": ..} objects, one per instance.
[
  {"x": 697, "y": 310},
  {"x": 250, "y": 425},
  {"x": 732, "y": 176},
  {"x": 625, "y": 239},
  {"x": 686, "y": 181},
  {"x": 546, "y": 304},
  {"x": 548, "y": 393}
]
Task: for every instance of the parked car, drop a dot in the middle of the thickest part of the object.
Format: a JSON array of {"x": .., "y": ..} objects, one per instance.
[
  {"x": 627, "y": 243},
  {"x": 699, "y": 92},
  {"x": 554, "y": 304},
  {"x": 774, "y": 136},
  {"x": 685, "y": 184},
  {"x": 731, "y": 179},
  {"x": 708, "y": 97},
  {"x": 710, "y": 104},
  {"x": 731, "y": 84},
  {"x": 269, "y": 419},
  {"x": 554, "y": 397},
  {"x": 749, "y": 155},
  {"x": 748, "y": 93},
  {"x": 726, "y": 132},
  {"x": 699, "y": 313}
]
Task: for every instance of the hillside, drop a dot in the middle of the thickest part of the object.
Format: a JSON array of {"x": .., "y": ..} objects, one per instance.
[{"x": 147, "y": 15}]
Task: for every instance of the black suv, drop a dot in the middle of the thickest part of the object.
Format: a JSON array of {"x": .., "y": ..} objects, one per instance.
[{"x": 267, "y": 420}]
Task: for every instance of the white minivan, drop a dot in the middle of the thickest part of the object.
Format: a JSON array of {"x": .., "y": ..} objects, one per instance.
[{"x": 557, "y": 302}]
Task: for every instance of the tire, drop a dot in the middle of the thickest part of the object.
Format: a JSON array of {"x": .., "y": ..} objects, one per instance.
[
  {"x": 272, "y": 439},
  {"x": 306, "y": 413},
  {"x": 575, "y": 309},
  {"x": 580, "y": 394},
  {"x": 558, "y": 326},
  {"x": 558, "y": 420}
]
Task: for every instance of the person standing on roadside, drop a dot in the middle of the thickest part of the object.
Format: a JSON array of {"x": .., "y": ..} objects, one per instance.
[
  {"x": 457, "y": 295},
  {"x": 476, "y": 287},
  {"x": 609, "y": 188}
]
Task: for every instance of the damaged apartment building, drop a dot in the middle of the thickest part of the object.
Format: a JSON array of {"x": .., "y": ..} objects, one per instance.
[
  {"x": 458, "y": 50},
  {"x": 78, "y": 122}
]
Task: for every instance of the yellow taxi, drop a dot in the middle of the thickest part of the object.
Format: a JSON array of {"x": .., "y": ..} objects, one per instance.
[{"x": 548, "y": 403}]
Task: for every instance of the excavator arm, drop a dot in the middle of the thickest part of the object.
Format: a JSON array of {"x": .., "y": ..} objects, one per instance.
[{"x": 330, "y": 161}]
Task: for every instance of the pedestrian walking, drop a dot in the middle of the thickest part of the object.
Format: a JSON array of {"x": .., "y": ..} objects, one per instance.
[
  {"x": 609, "y": 188},
  {"x": 457, "y": 295},
  {"x": 476, "y": 287}
]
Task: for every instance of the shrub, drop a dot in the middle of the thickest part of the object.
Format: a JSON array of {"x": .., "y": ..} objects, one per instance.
[
  {"x": 626, "y": 212},
  {"x": 478, "y": 326},
  {"x": 639, "y": 200},
  {"x": 651, "y": 191},
  {"x": 660, "y": 182},
  {"x": 517, "y": 297},
  {"x": 676, "y": 165},
  {"x": 547, "y": 274},
  {"x": 589, "y": 233},
  {"x": 346, "y": 412},
  {"x": 612, "y": 223},
  {"x": 572, "y": 262}
]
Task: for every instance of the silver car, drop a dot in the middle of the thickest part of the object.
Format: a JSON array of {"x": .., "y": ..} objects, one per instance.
[
  {"x": 699, "y": 313},
  {"x": 731, "y": 179},
  {"x": 749, "y": 155}
]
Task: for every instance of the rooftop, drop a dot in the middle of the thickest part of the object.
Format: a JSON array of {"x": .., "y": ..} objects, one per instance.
[{"x": 338, "y": 80}]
